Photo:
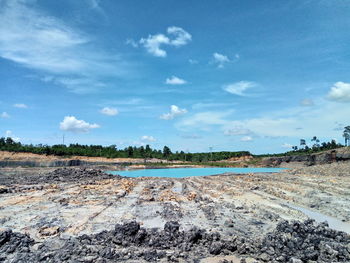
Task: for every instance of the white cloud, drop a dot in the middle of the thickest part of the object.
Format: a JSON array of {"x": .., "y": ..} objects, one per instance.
[
  {"x": 9, "y": 134},
  {"x": 182, "y": 37},
  {"x": 70, "y": 123},
  {"x": 174, "y": 112},
  {"x": 147, "y": 138},
  {"x": 41, "y": 42},
  {"x": 307, "y": 102},
  {"x": 153, "y": 42},
  {"x": 193, "y": 61},
  {"x": 175, "y": 81},
  {"x": 246, "y": 139},
  {"x": 20, "y": 105},
  {"x": 4, "y": 115},
  {"x": 238, "y": 88},
  {"x": 220, "y": 59},
  {"x": 340, "y": 92},
  {"x": 176, "y": 37},
  {"x": 109, "y": 111}
]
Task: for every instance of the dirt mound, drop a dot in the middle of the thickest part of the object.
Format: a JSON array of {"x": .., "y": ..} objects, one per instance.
[
  {"x": 60, "y": 175},
  {"x": 330, "y": 156},
  {"x": 305, "y": 242},
  {"x": 14, "y": 247},
  {"x": 289, "y": 242}
]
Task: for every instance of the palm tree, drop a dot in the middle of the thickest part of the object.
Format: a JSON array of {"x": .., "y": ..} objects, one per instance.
[
  {"x": 346, "y": 135},
  {"x": 316, "y": 140}
]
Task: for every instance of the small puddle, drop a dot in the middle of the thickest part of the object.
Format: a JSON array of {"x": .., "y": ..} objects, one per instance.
[
  {"x": 177, "y": 189},
  {"x": 332, "y": 221}
]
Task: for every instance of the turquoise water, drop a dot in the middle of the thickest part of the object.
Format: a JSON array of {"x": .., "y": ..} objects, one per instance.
[{"x": 187, "y": 172}]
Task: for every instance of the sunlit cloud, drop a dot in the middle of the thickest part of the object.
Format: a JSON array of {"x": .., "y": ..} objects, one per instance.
[
  {"x": 176, "y": 36},
  {"x": 147, "y": 138},
  {"x": 175, "y": 81},
  {"x": 175, "y": 111},
  {"x": 72, "y": 124},
  {"x": 340, "y": 92}
]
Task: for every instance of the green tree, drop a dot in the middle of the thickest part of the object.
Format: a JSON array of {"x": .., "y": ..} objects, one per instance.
[
  {"x": 130, "y": 151},
  {"x": 166, "y": 151},
  {"x": 316, "y": 140}
]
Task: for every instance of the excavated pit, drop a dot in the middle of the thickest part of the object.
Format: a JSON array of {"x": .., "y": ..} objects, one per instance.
[{"x": 86, "y": 215}]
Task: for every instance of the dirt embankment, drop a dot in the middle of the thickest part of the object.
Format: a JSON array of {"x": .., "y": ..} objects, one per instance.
[
  {"x": 12, "y": 159},
  {"x": 341, "y": 154}
]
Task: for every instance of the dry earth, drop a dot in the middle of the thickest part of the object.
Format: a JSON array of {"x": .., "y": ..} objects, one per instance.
[{"x": 51, "y": 205}]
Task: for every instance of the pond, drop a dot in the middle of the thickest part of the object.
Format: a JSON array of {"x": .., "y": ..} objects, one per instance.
[
  {"x": 188, "y": 172},
  {"x": 333, "y": 222}
]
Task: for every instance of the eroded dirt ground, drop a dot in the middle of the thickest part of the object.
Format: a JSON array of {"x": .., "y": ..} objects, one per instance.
[{"x": 48, "y": 204}]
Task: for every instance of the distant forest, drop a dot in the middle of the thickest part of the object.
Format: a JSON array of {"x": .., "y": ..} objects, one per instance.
[{"x": 8, "y": 144}]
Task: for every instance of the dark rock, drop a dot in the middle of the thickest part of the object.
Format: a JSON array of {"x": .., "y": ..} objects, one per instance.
[
  {"x": 171, "y": 227},
  {"x": 215, "y": 248}
]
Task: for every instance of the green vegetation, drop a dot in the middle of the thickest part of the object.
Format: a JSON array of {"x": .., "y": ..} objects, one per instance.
[
  {"x": 7, "y": 144},
  {"x": 304, "y": 149}
]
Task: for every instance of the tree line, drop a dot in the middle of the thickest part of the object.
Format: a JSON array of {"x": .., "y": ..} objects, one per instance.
[
  {"x": 145, "y": 152},
  {"x": 315, "y": 147}
]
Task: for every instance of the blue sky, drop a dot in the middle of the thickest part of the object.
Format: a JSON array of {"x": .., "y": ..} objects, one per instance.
[{"x": 232, "y": 75}]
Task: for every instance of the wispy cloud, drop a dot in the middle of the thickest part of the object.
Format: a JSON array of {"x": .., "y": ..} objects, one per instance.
[
  {"x": 20, "y": 105},
  {"x": 340, "y": 92},
  {"x": 203, "y": 105},
  {"x": 190, "y": 136},
  {"x": 238, "y": 88},
  {"x": 237, "y": 130},
  {"x": 307, "y": 102},
  {"x": 9, "y": 134},
  {"x": 131, "y": 42},
  {"x": 109, "y": 111},
  {"x": 287, "y": 146},
  {"x": 4, "y": 115},
  {"x": 203, "y": 120},
  {"x": 175, "y": 81},
  {"x": 220, "y": 59},
  {"x": 126, "y": 101},
  {"x": 175, "y": 111},
  {"x": 288, "y": 122},
  {"x": 176, "y": 36},
  {"x": 41, "y": 42},
  {"x": 72, "y": 124},
  {"x": 246, "y": 139}
]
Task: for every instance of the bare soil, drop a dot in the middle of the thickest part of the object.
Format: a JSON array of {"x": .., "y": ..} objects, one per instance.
[{"x": 242, "y": 216}]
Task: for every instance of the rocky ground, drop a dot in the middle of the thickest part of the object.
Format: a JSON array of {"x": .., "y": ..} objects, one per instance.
[{"x": 85, "y": 215}]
